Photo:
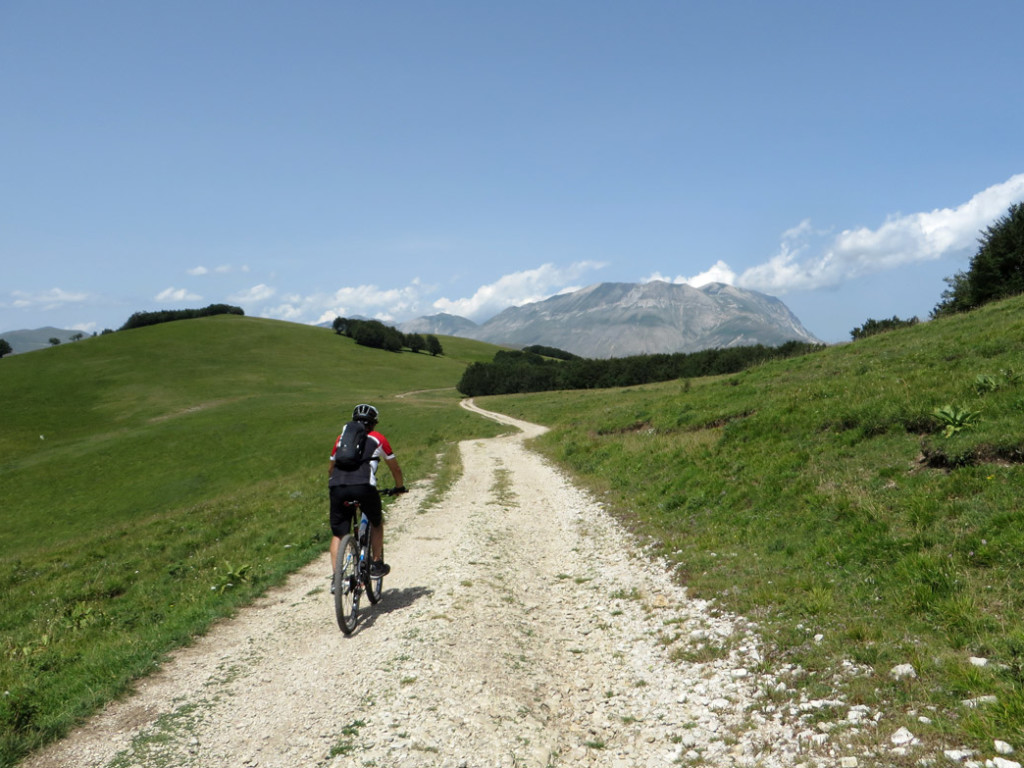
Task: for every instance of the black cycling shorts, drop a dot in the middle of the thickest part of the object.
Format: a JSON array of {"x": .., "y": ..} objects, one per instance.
[{"x": 342, "y": 514}]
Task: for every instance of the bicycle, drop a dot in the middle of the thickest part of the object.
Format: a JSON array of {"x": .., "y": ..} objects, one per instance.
[{"x": 352, "y": 570}]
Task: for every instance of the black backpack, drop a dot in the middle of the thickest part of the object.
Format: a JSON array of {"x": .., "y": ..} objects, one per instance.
[{"x": 349, "y": 455}]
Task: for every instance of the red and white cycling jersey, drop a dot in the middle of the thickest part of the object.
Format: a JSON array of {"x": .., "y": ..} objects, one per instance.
[{"x": 377, "y": 448}]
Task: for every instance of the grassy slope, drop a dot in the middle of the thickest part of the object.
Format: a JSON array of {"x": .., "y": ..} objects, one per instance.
[
  {"x": 177, "y": 458},
  {"x": 797, "y": 493},
  {"x": 143, "y": 472}
]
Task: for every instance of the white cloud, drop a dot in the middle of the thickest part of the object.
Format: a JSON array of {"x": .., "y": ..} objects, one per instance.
[
  {"x": 901, "y": 240},
  {"x": 177, "y": 294},
  {"x": 286, "y": 311},
  {"x": 223, "y": 269},
  {"x": 257, "y": 293},
  {"x": 720, "y": 272},
  {"x": 516, "y": 289},
  {"x": 325, "y": 317},
  {"x": 45, "y": 300},
  {"x": 363, "y": 300},
  {"x": 396, "y": 304},
  {"x": 371, "y": 301}
]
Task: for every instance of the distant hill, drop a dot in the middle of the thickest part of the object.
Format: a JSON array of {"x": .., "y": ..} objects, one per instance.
[
  {"x": 623, "y": 319},
  {"x": 444, "y": 324},
  {"x": 330, "y": 323},
  {"x": 39, "y": 338}
]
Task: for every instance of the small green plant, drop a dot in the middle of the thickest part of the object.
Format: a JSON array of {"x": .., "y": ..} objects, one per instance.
[
  {"x": 81, "y": 616},
  {"x": 346, "y": 744},
  {"x": 955, "y": 419},
  {"x": 984, "y": 383},
  {"x": 622, "y": 594},
  {"x": 819, "y": 599},
  {"x": 502, "y": 488},
  {"x": 232, "y": 575},
  {"x": 704, "y": 652}
]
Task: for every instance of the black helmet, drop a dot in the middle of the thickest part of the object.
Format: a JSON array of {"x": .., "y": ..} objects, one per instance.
[{"x": 364, "y": 412}]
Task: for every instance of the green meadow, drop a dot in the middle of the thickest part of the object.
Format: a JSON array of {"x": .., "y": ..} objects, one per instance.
[
  {"x": 861, "y": 503},
  {"x": 156, "y": 479}
]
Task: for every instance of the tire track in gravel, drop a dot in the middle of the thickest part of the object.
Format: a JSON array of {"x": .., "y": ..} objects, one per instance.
[{"x": 515, "y": 630}]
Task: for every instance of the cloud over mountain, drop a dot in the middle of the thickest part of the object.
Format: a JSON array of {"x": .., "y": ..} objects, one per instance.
[{"x": 809, "y": 259}]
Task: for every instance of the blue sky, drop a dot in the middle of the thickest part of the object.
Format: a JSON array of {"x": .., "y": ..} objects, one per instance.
[{"x": 317, "y": 158}]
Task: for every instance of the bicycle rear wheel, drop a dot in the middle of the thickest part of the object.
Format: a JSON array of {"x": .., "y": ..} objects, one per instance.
[
  {"x": 346, "y": 585},
  {"x": 373, "y": 586}
]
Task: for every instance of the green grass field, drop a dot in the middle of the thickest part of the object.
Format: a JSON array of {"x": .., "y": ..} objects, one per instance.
[
  {"x": 822, "y": 496},
  {"x": 156, "y": 479},
  {"x": 153, "y": 480}
]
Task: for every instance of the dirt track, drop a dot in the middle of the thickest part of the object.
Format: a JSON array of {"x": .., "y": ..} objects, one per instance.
[{"x": 516, "y": 629}]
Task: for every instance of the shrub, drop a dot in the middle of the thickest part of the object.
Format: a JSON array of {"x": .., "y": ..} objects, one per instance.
[{"x": 996, "y": 271}]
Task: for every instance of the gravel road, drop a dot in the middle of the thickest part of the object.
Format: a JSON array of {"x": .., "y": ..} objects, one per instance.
[{"x": 519, "y": 627}]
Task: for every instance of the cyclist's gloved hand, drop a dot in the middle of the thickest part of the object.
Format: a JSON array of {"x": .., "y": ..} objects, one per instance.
[{"x": 401, "y": 489}]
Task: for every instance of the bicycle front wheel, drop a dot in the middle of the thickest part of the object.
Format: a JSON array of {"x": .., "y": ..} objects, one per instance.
[{"x": 346, "y": 585}]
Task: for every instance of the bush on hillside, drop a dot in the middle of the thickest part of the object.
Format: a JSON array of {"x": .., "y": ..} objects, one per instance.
[
  {"x": 374, "y": 333},
  {"x": 872, "y": 326},
  {"x": 996, "y": 271},
  {"x": 415, "y": 342}
]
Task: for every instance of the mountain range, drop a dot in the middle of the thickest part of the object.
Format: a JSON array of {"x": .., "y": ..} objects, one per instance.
[
  {"x": 601, "y": 321},
  {"x": 29, "y": 340},
  {"x": 622, "y": 319}
]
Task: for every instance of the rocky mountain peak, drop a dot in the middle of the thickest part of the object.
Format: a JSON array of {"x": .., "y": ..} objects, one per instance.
[{"x": 621, "y": 319}]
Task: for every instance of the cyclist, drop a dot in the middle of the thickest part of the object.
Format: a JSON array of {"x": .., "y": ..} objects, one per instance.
[{"x": 361, "y": 485}]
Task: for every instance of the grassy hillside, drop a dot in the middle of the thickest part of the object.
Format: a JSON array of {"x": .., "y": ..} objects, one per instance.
[
  {"x": 821, "y": 497},
  {"x": 154, "y": 479}
]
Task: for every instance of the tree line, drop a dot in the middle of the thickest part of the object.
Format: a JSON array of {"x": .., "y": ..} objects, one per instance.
[
  {"x": 374, "y": 333},
  {"x": 514, "y": 372},
  {"x": 142, "y": 319}
]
